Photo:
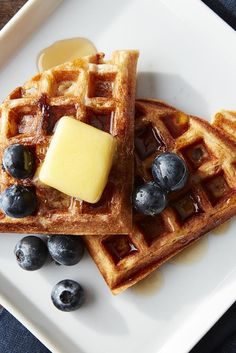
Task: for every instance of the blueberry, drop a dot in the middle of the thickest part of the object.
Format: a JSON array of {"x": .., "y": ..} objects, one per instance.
[
  {"x": 68, "y": 295},
  {"x": 149, "y": 199},
  {"x": 18, "y": 201},
  {"x": 31, "y": 253},
  {"x": 65, "y": 249},
  {"x": 169, "y": 172},
  {"x": 18, "y": 161}
]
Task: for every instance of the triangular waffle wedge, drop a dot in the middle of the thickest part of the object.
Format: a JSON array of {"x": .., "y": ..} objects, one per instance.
[
  {"x": 208, "y": 200},
  {"x": 97, "y": 92}
]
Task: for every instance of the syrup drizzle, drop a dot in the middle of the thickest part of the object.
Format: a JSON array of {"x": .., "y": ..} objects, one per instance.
[{"x": 147, "y": 141}]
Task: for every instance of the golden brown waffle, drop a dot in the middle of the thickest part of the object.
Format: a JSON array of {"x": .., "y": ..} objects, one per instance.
[
  {"x": 97, "y": 92},
  {"x": 226, "y": 121},
  {"x": 208, "y": 200}
]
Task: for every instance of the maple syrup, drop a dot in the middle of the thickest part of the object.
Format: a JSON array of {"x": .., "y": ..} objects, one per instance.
[
  {"x": 103, "y": 205},
  {"x": 64, "y": 50},
  {"x": 193, "y": 253},
  {"x": 149, "y": 285},
  {"x": 152, "y": 228},
  {"x": 119, "y": 246},
  {"x": 147, "y": 141},
  {"x": 177, "y": 124},
  {"x": 101, "y": 121},
  {"x": 187, "y": 206},
  {"x": 222, "y": 229}
]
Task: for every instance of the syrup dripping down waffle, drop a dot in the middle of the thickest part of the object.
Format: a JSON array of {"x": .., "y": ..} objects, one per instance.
[
  {"x": 97, "y": 92},
  {"x": 208, "y": 199}
]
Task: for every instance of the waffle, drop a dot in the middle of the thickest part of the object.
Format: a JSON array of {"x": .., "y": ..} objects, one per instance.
[
  {"x": 97, "y": 92},
  {"x": 226, "y": 122},
  {"x": 207, "y": 200}
]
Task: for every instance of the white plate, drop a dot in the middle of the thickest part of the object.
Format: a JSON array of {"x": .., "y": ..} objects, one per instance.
[{"x": 187, "y": 57}]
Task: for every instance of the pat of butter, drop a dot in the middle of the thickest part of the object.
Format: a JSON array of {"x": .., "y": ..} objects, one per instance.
[{"x": 78, "y": 160}]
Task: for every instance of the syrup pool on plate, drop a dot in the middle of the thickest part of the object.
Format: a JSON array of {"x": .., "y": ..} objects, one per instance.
[
  {"x": 64, "y": 50},
  {"x": 149, "y": 285},
  {"x": 222, "y": 229},
  {"x": 193, "y": 253}
]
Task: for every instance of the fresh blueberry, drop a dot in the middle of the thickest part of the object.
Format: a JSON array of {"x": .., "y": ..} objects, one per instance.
[
  {"x": 169, "y": 171},
  {"x": 18, "y": 161},
  {"x": 18, "y": 201},
  {"x": 68, "y": 295},
  {"x": 31, "y": 253},
  {"x": 65, "y": 249},
  {"x": 149, "y": 199}
]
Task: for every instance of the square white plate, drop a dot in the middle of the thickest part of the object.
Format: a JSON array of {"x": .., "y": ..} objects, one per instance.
[{"x": 187, "y": 57}]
